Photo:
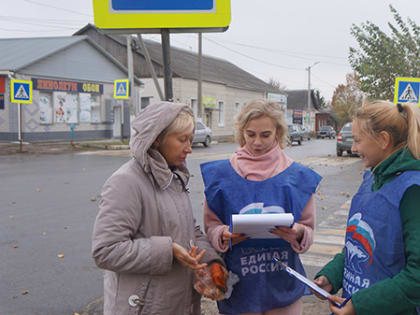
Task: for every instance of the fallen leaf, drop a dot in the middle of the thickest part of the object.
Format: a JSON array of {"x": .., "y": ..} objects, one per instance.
[
  {"x": 330, "y": 217},
  {"x": 13, "y": 203},
  {"x": 25, "y": 292},
  {"x": 38, "y": 189},
  {"x": 92, "y": 198},
  {"x": 76, "y": 314},
  {"x": 60, "y": 256},
  {"x": 15, "y": 246},
  {"x": 320, "y": 198},
  {"x": 324, "y": 208},
  {"x": 348, "y": 195}
]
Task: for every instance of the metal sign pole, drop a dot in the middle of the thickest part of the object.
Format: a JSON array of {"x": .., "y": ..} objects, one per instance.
[
  {"x": 20, "y": 127},
  {"x": 166, "y": 52}
]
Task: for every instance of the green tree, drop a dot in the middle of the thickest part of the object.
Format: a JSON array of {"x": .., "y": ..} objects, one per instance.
[
  {"x": 276, "y": 84},
  {"x": 381, "y": 57},
  {"x": 347, "y": 98},
  {"x": 321, "y": 100}
]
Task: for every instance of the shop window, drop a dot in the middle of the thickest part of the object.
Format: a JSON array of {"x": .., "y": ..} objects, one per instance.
[
  {"x": 221, "y": 114},
  {"x": 145, "y": 101},
  {"x": 90, "y": 110},
  {"x": 45, "y": 109},
  {"x": 66, "y": 107}
]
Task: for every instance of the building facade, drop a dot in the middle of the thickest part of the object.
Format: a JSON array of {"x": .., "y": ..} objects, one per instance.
[{"x": 72, "y": 97}]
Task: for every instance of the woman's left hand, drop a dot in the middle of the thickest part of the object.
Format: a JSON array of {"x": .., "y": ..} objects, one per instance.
[
  {"x": 347, "y": 309},
  {"x": 290, "y": 235},
  {"x": 188, "y": 259}
]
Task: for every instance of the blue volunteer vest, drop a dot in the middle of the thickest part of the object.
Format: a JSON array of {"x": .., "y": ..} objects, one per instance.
[
  {"x": 262, "y": 286},
  {"x": 374, "y": 240}
]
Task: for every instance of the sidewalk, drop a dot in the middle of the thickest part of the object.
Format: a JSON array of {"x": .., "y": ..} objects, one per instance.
[
  {"x": 311, "y": 306},
  {"x": 53, "y": 147}
]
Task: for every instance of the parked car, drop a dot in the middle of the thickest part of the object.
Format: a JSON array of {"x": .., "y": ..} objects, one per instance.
[
  {"x": 345, "y": 140},
  {"x": 202, "y": 134},
  {"x": 325, "y": 132},
  {"x": 306, "y": 134},
  {"x": 294, "y": 134}
]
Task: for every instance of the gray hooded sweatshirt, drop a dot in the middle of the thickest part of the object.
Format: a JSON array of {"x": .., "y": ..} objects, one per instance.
[{"x": 145, "y": 207}]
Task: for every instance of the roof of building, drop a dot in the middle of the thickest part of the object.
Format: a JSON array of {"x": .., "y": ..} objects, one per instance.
[
  {"x": 298, "y": 99},
  {"x": 184, "y": 64},
  {"x": 19, "y": 53}
]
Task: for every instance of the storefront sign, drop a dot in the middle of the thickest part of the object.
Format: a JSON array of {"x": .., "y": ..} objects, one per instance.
[
  {"x": 297, "y": 116},
  {"x": 2, "y": 90},
  {"x": 67, "y": 86},
  {"x": 209, "y": 101}
]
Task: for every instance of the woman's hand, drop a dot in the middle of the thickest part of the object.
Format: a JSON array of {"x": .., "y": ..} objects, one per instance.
[
  {"x": 290, "y": 235},
  {"x": 189, "y": 259},
  {"x": 323, "y": 283},
  {"x": 235, "y": 237},
  {"x": 347, "y": 309}
]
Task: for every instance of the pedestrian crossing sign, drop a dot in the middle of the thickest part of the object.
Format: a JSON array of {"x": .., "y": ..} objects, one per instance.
[
  {"x": 21, "y": 91},
  {"x": 121, "y": 89},
  {"x": 407, "y": 90}
]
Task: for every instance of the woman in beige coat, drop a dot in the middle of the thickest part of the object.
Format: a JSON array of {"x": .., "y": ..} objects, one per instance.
[{"x": 145, "y": 235}]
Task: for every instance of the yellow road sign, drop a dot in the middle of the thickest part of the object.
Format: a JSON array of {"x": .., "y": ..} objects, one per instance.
[
  {"x": 122, "y": 89},
  {"x": 21, "y": 91},
  {"x": 407, "y": 90},
  {"x": 151, "y": 16}
]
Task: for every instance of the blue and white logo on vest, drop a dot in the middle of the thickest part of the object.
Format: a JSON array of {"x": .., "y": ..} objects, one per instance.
[
  {"x": 258, "y": 207},
  {"x": 361, "y": 245},
  {"x": 407, "y": 90}
]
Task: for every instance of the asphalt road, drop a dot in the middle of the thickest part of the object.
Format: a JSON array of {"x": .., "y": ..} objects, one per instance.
[{"x": 48, "y": 204}]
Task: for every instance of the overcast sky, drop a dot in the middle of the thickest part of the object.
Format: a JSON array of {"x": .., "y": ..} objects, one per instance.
[{"x": 268, "y": 38}]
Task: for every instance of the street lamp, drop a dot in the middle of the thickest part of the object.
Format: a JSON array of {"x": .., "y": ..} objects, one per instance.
[{"x": 309, "y": 92}]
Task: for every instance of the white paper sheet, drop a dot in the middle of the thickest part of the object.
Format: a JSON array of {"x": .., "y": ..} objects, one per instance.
[{"x": 259, "y": 225}]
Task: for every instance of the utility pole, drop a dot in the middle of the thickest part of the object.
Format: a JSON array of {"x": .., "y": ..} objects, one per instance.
[
  {"x": 130, "y": 66},
  {"x": 309, "y": 92}
]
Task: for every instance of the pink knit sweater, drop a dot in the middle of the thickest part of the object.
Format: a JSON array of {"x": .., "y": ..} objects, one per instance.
[{"x": 260, "y": 168}]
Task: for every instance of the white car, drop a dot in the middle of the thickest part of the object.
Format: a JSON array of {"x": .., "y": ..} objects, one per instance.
[{"x": 202, "y": 134}]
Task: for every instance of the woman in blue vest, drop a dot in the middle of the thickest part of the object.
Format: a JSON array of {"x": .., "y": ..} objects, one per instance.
[
  {"x": 379, "y": 267},
  {"x": 260, "y": 178}
]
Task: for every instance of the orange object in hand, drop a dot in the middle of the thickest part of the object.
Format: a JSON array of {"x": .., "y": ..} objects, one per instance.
[{"x": 218, "y": 275}]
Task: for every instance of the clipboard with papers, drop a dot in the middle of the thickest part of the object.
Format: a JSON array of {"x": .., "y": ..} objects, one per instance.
[{"x": 303, "y": 279}]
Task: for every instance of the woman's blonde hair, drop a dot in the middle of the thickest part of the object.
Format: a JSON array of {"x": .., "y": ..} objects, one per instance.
[
  {"x": 183, "y": 121},
  {"x": 259, "y": 108},
  {"x": 401, "y": 121}
]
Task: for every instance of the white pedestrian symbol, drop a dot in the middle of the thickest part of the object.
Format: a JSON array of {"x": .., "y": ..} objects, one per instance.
[
  {"x": 121, "y": 89},
  {"x": 21, "y": 93},
  {"x": 408, "y": 94}
]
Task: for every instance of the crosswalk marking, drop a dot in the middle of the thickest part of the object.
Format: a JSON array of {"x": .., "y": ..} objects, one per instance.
[{"x": 328, "y": 239}]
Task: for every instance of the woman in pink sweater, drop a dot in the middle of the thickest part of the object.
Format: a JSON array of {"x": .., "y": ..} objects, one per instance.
[{"x": 260, "y": 178}]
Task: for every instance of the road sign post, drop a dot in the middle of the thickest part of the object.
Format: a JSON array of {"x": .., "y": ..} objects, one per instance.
[
  {"x": 407, "y": 90},
  {"x": 20, "y": 92}
]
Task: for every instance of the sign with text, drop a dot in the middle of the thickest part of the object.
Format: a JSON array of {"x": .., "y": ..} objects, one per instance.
[
  {"x": 21, "y": 91},
  {"x": 158, "y": 14},
  {"x": 407, "y": 90},
  {"x": 2, "y": 91},
  {"x": 67, "y": 86}
]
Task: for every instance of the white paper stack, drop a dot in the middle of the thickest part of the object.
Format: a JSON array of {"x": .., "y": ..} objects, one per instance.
[{"x": 259, "y": 225}]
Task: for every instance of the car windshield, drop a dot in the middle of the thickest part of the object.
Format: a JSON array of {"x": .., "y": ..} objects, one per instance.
[{"x": 325, "y": 127}]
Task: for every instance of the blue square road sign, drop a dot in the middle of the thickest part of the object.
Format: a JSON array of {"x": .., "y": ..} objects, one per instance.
[
  {"x": 21, "y": 91},
  {"x": 407, "y": 90},
  {"x": 162, "y": 5}
]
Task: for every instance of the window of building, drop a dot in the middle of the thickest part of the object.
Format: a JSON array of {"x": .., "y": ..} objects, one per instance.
[
  {"x": 45, "y": 109},
  {"x": 221, "y": 114},
  {"x": 145, "y": 101}
]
